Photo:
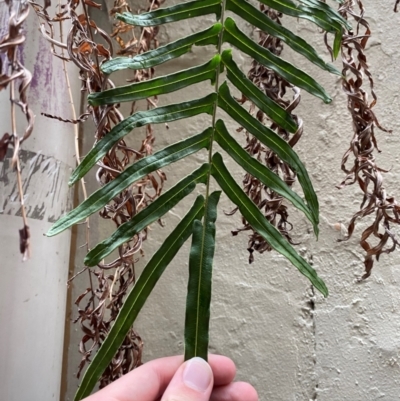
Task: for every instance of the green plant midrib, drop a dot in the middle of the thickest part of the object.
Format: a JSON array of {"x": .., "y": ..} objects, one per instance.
[{"x": 210, "y": 155}]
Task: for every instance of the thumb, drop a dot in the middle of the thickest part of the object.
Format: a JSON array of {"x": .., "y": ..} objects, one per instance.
[{"x": 193, "y": 381}]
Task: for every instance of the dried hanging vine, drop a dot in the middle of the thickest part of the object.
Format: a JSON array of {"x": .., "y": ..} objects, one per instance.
[
  {"x": 365, "y": 171},
  {"x": 277, "y": 88},
  {"x": 18, "y": 78},
  {"x": 131, "y": 45},
  {"x": 99, "y": 304}
]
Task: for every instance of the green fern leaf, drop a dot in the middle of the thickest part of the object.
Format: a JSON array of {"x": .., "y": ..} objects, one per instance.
[
  {"x": 259, "y": 171},
  {"x": 337, "y": 44},
  {"x": 275, "y": 112},
  {"x": 138, "y": 296},
  {"x": 273, "y": 141},
  {"x": 264, "y": 23},
  {"x": 147, "y": 216},
  {"x": 329, "y": 11},
  {"x": 165, "y": 53},
  {"x": 157, "y": 86},
  {"x": 319, "y": 18},
  {"x": 259, "y": 223},
  {"x": 159, "y": 115},
  {"x": 175, "y": 13},
  {"x": 138, "y": 170},
  {"x": 237, "y": 38},
  {"x": 199, "y": 286}
]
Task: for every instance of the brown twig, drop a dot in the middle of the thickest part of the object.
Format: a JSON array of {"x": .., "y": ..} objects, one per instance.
[
  {"x": 77, "y": 144},
  {"x": 24, "y": 233},
  {"x": 81, "y": 119},
  {"x": 13, "y": 72}
]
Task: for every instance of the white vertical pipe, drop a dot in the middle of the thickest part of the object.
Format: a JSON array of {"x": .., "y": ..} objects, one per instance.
[{"x": 33, "y": 293}]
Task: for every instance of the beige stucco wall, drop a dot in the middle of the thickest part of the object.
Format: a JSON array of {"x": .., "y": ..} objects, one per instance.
[{"x": 290, "y": 343}]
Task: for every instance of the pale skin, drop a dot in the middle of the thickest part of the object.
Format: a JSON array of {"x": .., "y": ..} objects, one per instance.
[{"x": 171, "y": 379}]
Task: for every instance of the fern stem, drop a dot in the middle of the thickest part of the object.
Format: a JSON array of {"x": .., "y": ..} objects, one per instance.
[
  {"x": 214, "y": 116},
  {"x": 207, "y": 196}
]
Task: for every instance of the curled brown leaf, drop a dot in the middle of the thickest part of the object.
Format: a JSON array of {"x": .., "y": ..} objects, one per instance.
[
  {"x": 379, "y": 237},
  {"x": 4, "y": 142}
]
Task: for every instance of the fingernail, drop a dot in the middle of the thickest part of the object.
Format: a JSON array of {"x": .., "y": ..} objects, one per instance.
[{"x": 197, "y": 374}]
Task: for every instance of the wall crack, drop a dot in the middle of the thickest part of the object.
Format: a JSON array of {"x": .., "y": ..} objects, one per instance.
[{"x": 312, "y": 305}]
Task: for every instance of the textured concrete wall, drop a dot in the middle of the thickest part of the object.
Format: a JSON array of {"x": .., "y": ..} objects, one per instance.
[{"x": 290, "y": 343}]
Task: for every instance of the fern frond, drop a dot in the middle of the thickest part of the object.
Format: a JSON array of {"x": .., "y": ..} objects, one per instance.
[{"x": 225, "y": 31}]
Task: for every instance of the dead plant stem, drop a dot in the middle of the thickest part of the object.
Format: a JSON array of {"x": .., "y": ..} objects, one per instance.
[
  {"x": 89, "y": 28},
  {"x": 144, "y": 28},
  {"x": 77, "y": 149},
  {"x": 16, "y": 160}
]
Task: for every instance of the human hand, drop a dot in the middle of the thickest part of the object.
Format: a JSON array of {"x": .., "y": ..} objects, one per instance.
[{"x": 169, "y": 379}]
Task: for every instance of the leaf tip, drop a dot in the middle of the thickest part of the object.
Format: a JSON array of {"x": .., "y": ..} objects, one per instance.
[
  {"x": 50, "y": 233},
  {"x": 332, "y": 69},
  {"x": 226, "y": 54},
  {"x": 92, "y": 257},
  {"x": 217, "y": 26},
  {"x": 320, "y": 285},
  {"x": 119, "y": 16},
  {"x": 75, "y": 176},
  {"x": 91, "y": 99}
]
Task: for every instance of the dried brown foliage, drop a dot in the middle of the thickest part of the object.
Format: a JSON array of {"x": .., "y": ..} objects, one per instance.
[
  {"x": 18, "y": 78},
  {"x": 396, "y": 5},
  {"x": 130, "y": 44},
  {"x": 287, "y": 96},
  {"x": 88, "y": 46},
  {"x": 379, "y": 237}
]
